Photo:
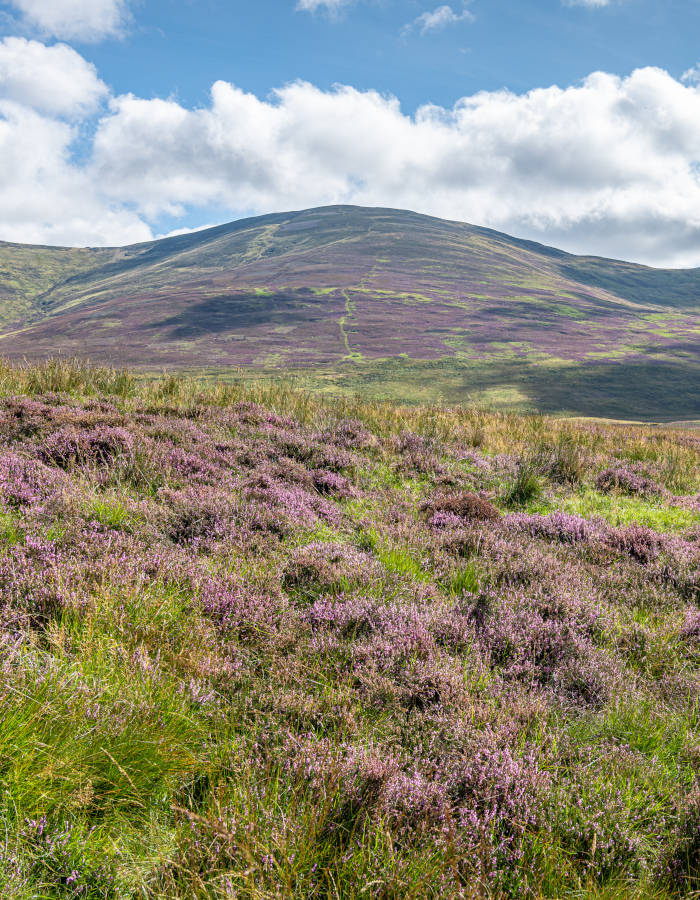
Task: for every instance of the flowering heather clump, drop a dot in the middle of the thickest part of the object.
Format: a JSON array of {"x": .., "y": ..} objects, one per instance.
[
  {"x": 627, "y": 480},
  {"x": 691, "y": 626},
  {"x": 256, "y": 643},
  {"x": 238, "y": 607},
  {"x": 417, "y": 454},
  {"x": 26, "y": 482},
  {"x": 289, "y": 503},
  {"x": 464, "y": 505},
  {"x": 639, "y": 542},
  {"x": 680, "y": 862},
  {"x": 312, "y": 452},
  {"x": 23, "y": 417},
  {"x": 98, "y": 446},
  {"x": 332, "y": 484},
  {"x": 198, "y": 513},
  {"x": 321, "y": 567},
  {"x": 540, "y": 640},
  {"x": 692, "y": 503},
  {"x": 189, "y": 466},
  {"x": 33, "y": 585},
  {"x": 559, "y": 526},
  {"x": 350, "y": 435}
]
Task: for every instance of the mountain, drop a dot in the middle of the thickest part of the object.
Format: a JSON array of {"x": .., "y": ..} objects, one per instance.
[{"x": 376, "y": 300}]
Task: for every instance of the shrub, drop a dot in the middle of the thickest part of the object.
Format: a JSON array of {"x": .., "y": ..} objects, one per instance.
[
  {"x": 559, "y": 526},
  {"x": 97, "y": 446},
  {"x": 319, "y": 567},
  {"x": 332, "y": 484},
  {"x": 627, "y": 481},
  {"x": 680, "y": 860},
  {"x": 464, "y": 505}
]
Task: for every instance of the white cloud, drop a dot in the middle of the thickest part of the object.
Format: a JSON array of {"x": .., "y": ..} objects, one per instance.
[
  {"x": 52, "y": 79},
  {"x": 439, "y": 18},
  {"x": 81, "y": 20},
  {"x": 332, "y": 6},
  {"x": 691, "y": 76},
  {"x": 178, "y": 232},
  {"x": 591, "y": 4},
  {"x": 609, "y": 166},
  {"x": 44, "y": 198}
]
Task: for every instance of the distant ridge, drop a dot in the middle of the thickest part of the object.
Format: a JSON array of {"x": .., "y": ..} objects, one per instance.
[{"x": 371, "y": 297}]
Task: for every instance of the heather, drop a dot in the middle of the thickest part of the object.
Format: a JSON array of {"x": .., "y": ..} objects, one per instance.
[{"x": 259, "y": 643}]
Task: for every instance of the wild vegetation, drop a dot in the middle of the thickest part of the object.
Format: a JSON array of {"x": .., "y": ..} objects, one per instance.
[
  {"x": 258, "y": 643},
  {"x": 386, "y": 303}
]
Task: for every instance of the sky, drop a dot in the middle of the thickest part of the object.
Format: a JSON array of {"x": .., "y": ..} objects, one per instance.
[{"x": 571, "y": 122}]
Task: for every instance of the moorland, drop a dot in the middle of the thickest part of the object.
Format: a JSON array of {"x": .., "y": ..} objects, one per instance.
[
  {"x": 259, "y": 643},
  {"x": 377, "y": 302}
]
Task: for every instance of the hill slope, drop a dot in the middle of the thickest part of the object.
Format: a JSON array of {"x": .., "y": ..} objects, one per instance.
[
  {"x": 360, "y": 293},
  {"x": 256, "y": 644}
]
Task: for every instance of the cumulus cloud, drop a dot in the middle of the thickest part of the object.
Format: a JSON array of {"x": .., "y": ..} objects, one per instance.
[
  {"x": 608, "y": 166},
  {"x": 81, "y": 20},
  {"x": 47, "y": 199},
  {"x": 54, "y": 79},
  {"x": 439, "y": 18}
]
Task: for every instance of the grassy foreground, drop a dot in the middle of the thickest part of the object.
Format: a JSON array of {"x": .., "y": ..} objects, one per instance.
[{"x": 260, "y": 644}]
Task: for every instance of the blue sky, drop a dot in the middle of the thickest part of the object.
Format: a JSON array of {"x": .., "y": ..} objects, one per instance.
[
  {"x": 182, "y": 47},
  {"x": 573, "y": 123}
]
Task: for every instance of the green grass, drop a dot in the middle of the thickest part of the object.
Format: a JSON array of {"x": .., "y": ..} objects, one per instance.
[
  {"x": 620, "y": 510},
  {"x": 112, "y": 513}
]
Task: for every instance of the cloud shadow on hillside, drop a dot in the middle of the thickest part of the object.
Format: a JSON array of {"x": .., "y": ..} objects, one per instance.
[{"x": 230, "y": 313}]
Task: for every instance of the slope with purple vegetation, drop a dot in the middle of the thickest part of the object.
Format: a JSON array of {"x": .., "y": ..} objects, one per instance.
[
  {"x": 256, "y": 644},
  {"x": 359, "y": 293}
]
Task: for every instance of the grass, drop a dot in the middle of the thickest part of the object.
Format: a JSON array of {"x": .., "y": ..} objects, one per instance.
[
  {"x": 217, "y": 681},
  {"x": 621, "y": 510}
]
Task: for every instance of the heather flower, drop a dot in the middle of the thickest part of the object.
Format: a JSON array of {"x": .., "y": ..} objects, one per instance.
[
  {"x": 639, "y": 542},
  {"x": 463, "y": 505},
  {"x": 559, "y": 526},
  {"x": 549, "y": 640},
  {"x": 25, "y": 417},
  {"x": 333, "y": 484},
  {"x": 26, "y": 482},
  {"x": 198, "y": 513},
  {"x": 310, "y": 450},
  {"x": 69, "y": 446},
  {"x": 627, "y": 480},
  {"x": 320, "y": 566},
  {"x": 190, "y": 466},
  {"x": 444, "y": 520},
  {"x": 417, "y": 454},
  {"x": 349, "y": 434},
  {"x": 242, "y": 609},
  {"x": 290, "y": 504},
  {"x": 679, "y": 864}
]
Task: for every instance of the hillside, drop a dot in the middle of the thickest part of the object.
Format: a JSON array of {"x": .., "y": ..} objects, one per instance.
[
  {"x": 256, "y": 644},
  {"x": 373, "y": 300}
]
